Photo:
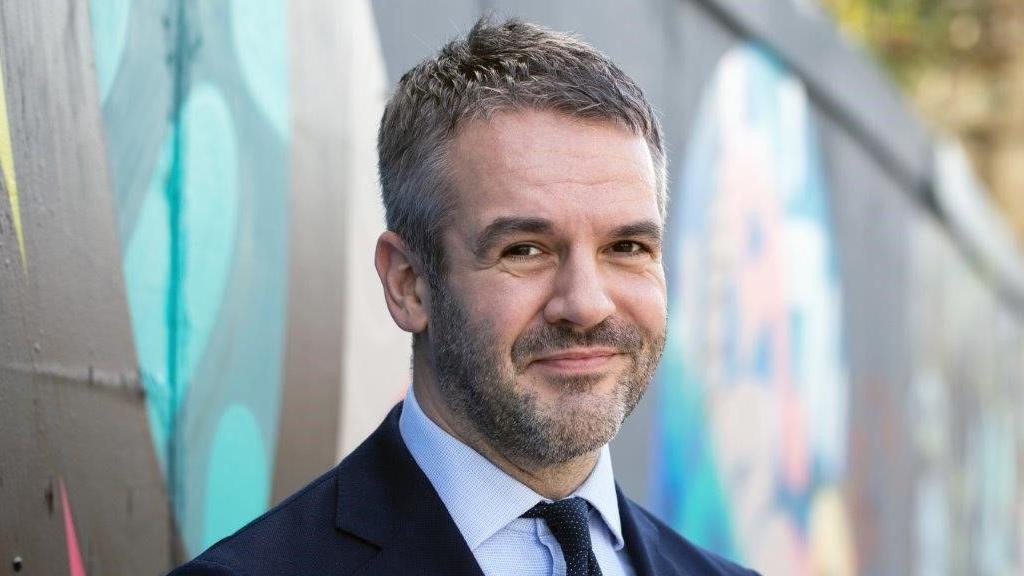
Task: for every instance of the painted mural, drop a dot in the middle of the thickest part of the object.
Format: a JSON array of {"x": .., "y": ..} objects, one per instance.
[
  {"x": 752, "y": 393},
  {"x": 200, "y": 174}
]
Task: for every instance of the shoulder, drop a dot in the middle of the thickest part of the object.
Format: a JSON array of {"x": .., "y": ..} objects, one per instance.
[
  {"x": 680, "y": 552},
  {"x": 304, "y": 534},
  {"x": 291, "y": 538}
]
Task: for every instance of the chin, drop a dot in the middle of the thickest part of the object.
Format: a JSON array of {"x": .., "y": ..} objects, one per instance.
[
  {"x": 573, "y": 437},
  {"x": 566, "y": 387},
  {"x": 588, "y": 415}
]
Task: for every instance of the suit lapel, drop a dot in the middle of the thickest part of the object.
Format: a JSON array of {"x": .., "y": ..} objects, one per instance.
[
  {"x": 641, "y": 536},
  {"x": 385, "y": 499}
]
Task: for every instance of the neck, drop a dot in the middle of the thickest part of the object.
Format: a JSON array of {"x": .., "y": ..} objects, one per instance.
[{"x": 552, "y": 481}]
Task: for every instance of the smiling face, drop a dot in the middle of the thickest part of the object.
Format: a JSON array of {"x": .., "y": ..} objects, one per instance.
[{"x": 551, "y": 318}]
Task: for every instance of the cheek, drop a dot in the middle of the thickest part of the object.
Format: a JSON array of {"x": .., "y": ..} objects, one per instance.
[
  {"x": 644, "y": 300},
  {"x": 509, "y": 307}
]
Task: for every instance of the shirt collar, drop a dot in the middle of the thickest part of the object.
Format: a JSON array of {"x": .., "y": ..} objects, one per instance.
[
  {"x": 599, "y": 490},
  {"x": 480, "y": 497}
]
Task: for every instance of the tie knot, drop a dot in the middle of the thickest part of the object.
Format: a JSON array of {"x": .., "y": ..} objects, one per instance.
[{"x": 568, "y": 521}]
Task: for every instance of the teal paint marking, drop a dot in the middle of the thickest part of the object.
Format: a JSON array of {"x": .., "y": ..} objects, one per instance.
[
  {"x": 180, "y": 63},
  {"x": 147, "y": 275},
  {"x": 109, "y": 19},
  {"x": 238, "y": 475},
  {"x": 259, "y": 33}
]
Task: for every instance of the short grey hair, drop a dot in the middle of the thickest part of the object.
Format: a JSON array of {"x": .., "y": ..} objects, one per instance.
[{"x": 512, "y": 65}]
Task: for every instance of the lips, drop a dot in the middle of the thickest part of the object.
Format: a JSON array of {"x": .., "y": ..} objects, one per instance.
[{"x": 578, "y": 359}]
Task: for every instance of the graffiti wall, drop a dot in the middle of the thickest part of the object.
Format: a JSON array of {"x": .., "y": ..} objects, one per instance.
[
  {"x": 191, "y": 327},
  {"x": 189, "y": 199}
]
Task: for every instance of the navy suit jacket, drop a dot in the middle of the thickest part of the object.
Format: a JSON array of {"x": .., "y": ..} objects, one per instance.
[{"x": 376, "y": 513}]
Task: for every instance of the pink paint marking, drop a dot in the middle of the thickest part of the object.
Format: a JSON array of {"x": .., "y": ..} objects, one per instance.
[{"x": 75, "y": 565}]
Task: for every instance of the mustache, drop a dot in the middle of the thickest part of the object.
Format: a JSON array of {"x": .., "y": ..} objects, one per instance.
[{"x": 615, "y": 333}]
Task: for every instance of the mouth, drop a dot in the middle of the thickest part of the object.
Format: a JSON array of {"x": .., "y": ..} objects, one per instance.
[{"x": 578, "y": 360}]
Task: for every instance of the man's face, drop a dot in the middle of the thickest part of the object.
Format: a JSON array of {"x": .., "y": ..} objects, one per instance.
[{"x": 551, "y": 319}]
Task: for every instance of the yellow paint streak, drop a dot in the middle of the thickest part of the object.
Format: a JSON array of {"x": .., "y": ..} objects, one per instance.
[{"x": 7, "y": 165}]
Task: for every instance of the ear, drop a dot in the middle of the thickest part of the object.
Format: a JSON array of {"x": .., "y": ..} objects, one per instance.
[{"x": 405, "y": 291}]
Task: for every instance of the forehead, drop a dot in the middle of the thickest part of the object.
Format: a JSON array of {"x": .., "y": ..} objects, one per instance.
[{"x": 550, "y": 165}]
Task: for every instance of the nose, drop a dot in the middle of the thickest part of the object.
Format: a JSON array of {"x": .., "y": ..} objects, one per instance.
[{"x": 580, "y": 298}]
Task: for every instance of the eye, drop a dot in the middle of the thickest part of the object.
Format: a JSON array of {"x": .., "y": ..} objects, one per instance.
[
  {"x": 628, "y": 247},
  {"x": 521, "y": 251}
]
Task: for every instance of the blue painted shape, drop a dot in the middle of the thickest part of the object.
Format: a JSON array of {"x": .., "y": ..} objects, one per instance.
[
  {"x": 237, "y": 475},
  {"x": 259, "y": 33},
  {"x": 764, "y": 355},
  {"x": 209, "y": 215},
  {"x": 109, "y": 19}
]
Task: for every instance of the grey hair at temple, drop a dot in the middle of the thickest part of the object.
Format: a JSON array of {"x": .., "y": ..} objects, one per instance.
[{"x": 508, "y": 66}]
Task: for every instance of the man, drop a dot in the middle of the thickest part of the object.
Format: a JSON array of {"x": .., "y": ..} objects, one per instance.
[{"x": 523, "y": 177}]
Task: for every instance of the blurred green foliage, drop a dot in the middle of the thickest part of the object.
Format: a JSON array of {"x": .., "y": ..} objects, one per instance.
[
  {"x": 911, "y": 35},
  {"x": 961, "y": 64}
]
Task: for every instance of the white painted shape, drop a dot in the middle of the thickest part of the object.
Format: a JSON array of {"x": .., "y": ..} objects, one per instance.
[{"x": 376, "y": 357}]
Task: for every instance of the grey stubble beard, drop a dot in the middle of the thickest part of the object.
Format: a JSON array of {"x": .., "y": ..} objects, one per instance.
[{"x": 482, "y": 389}]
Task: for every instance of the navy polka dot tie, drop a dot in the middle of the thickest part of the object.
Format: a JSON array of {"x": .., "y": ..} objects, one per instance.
[{"x": 567, "y": 520}]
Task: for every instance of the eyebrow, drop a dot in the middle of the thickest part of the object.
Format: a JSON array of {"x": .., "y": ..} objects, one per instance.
[
  {"x": 647, "y": 229},
  {"x": 505, "y": 226}
]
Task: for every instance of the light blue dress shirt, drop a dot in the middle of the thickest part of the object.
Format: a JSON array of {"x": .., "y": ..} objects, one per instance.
[{"x": 486, "y": 505}]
